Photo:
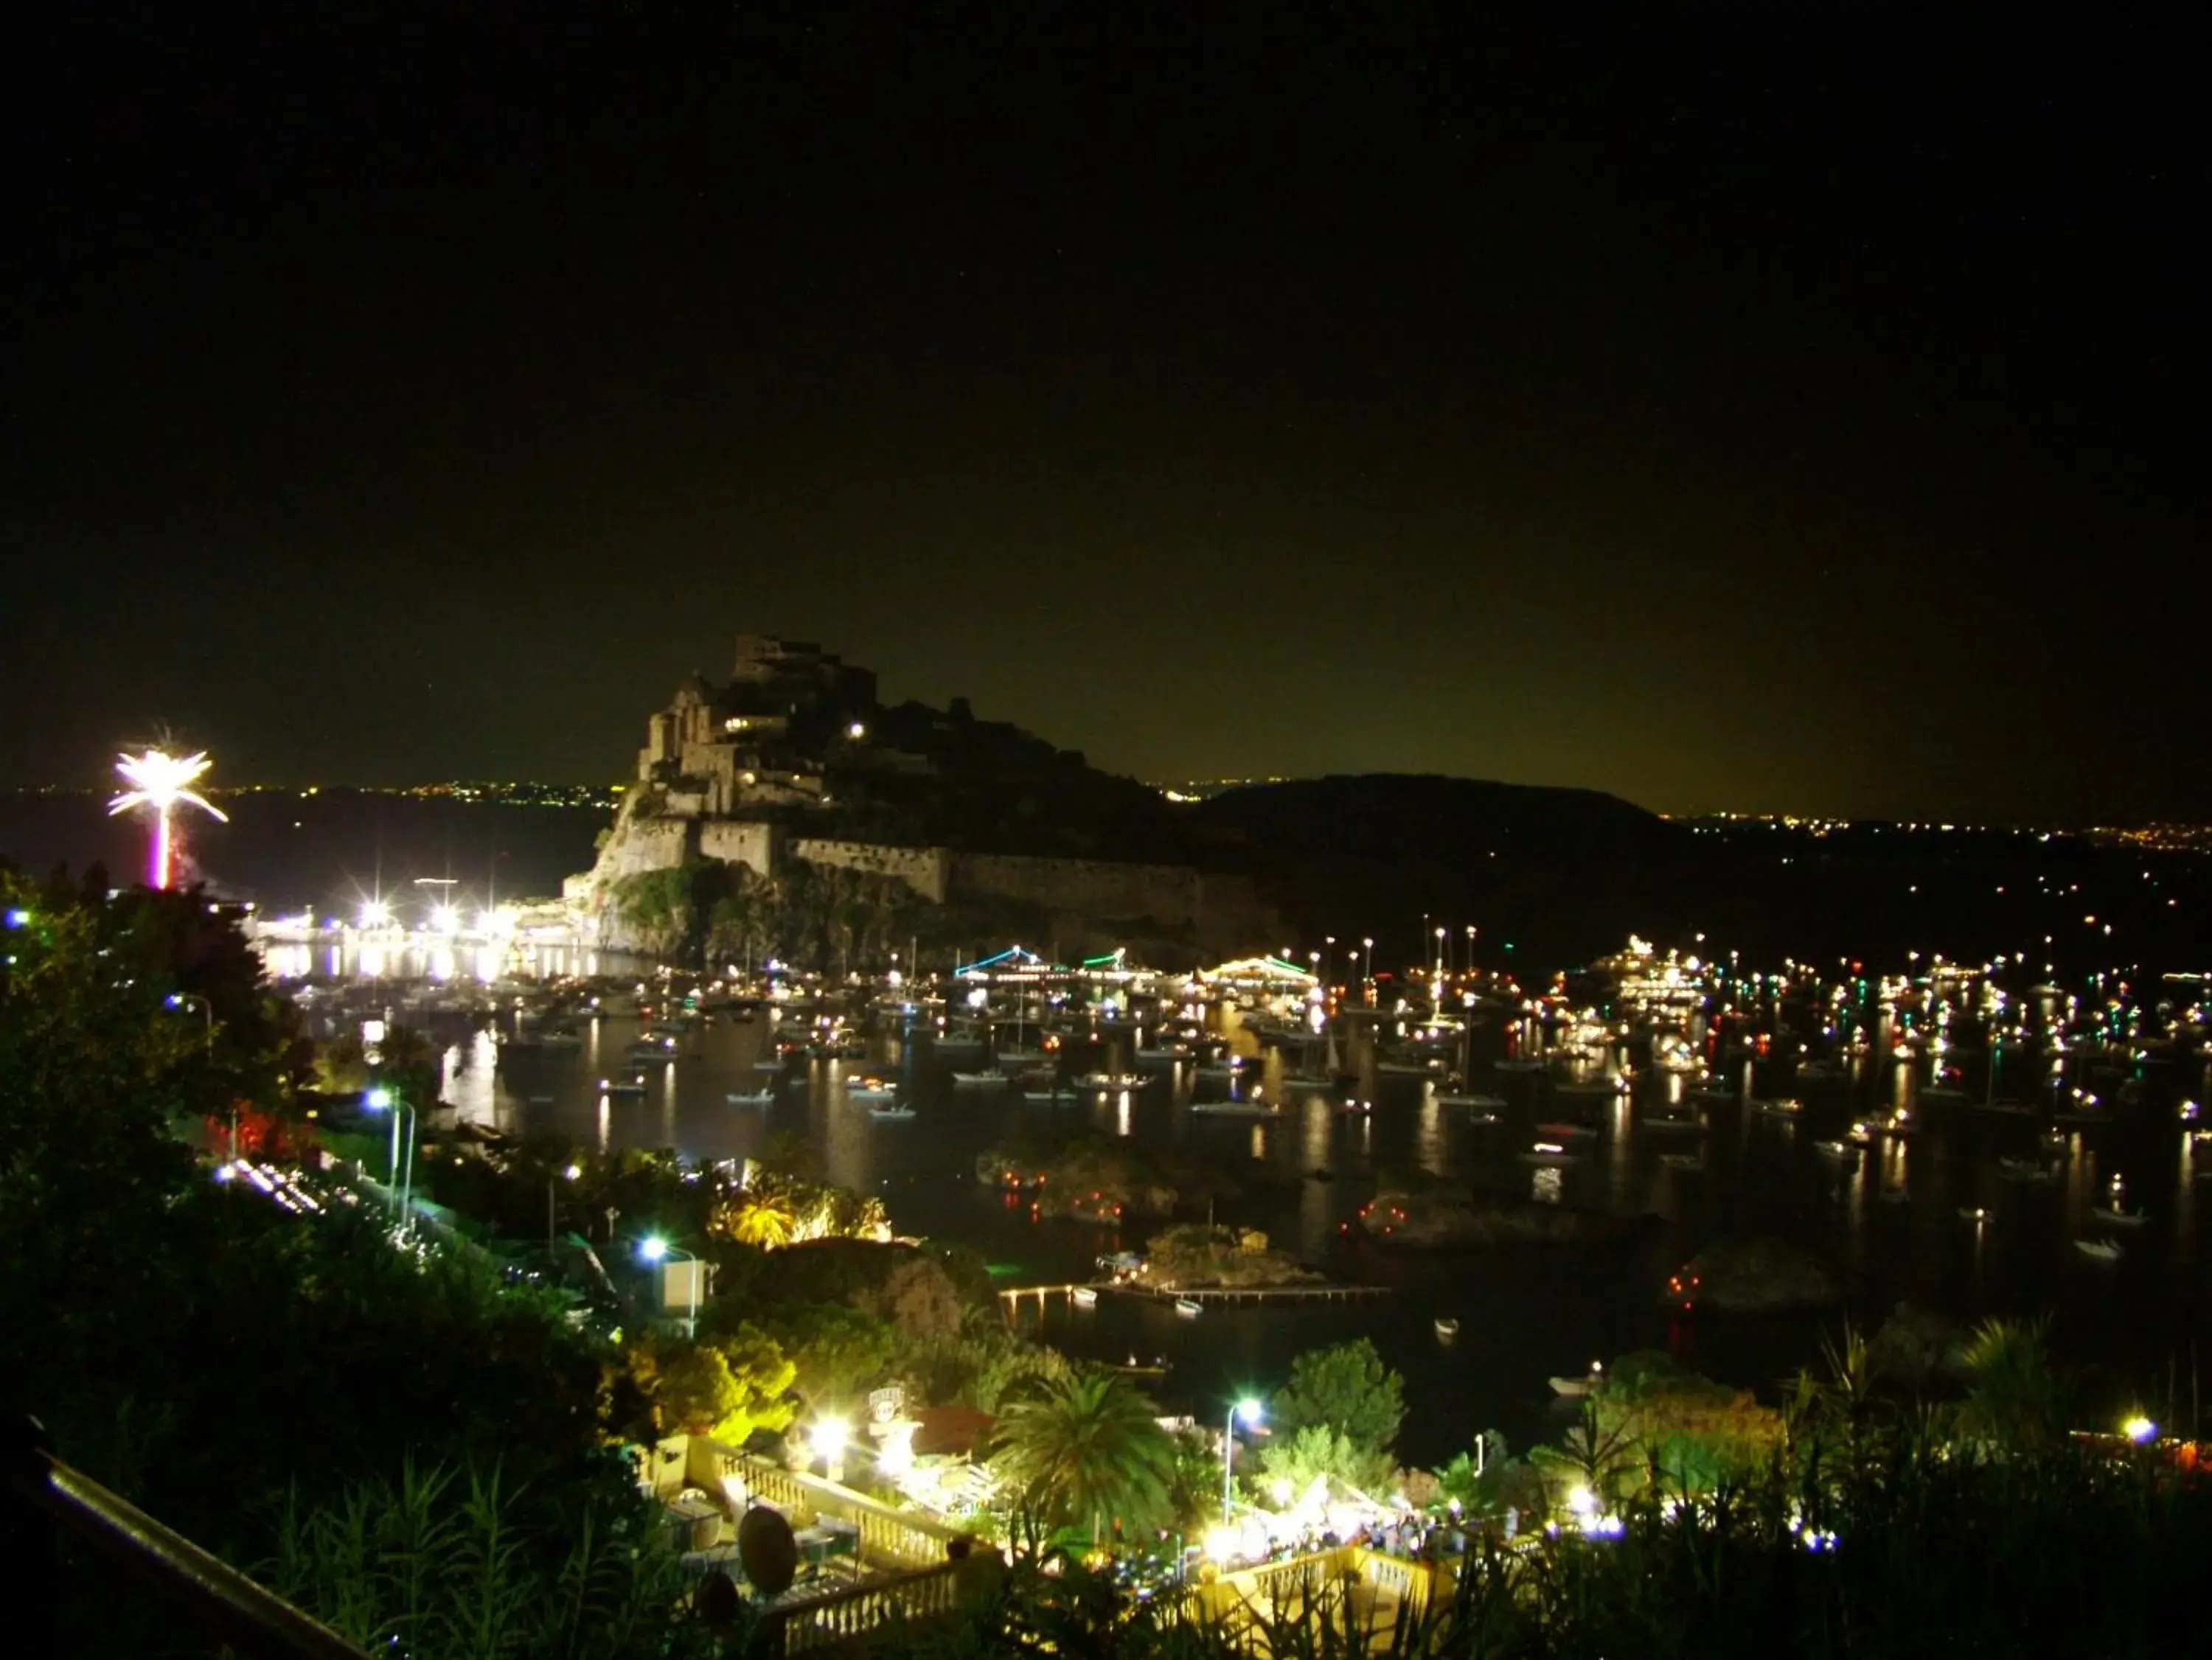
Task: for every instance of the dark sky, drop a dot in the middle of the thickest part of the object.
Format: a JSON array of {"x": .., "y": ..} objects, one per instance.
[{"x": 1726, "y": 410}]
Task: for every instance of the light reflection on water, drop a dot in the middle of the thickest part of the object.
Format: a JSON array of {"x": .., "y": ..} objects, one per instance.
[{"x": 1527, "y": 1313}]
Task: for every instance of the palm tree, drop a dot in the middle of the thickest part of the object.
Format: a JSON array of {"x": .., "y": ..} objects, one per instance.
[
  {"x": 1084, "y": 1447},
  {"x": 2014, "y": 1398},
  {"x": 767, "y": 1219}
]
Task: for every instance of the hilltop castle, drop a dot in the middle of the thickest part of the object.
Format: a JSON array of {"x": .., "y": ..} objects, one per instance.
[{"x": 794, "y": 759}]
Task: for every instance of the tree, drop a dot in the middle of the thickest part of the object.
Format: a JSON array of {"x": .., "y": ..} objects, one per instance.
[
  {"x": 1084, "y": 1451},
  {"x": 1322, "y": 1452},
  {"x": 838, "y": 1350},
  {"x": 1346, "y": 1388},
  {"x": 727, "y": 1389}
]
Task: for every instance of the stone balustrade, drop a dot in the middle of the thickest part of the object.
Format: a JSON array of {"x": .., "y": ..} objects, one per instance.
[{"x": 886, "y": 1535}]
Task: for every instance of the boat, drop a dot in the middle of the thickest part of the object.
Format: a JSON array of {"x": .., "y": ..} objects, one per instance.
[
  {"x": 1573, "y": 1389},
  {"x": 2100, "y": 1250},
  {"x": 1187, "y": 1309},
  {"x": 1842, "y": 1152},
  {"x": 2116, "y": 1218},
  {"x": 1548, "y": 1153},
  {"x": 870, "y": 1089},
  {"x": 980, "y": 1079},
  {"x": 1410, "y": 1068},
  {"x": 607, "y": 1087},
  {"x": 1223, "y": 1071},
  {"x": 1353, "y": 1109},
  {"x": 1168, "y": 1055},
  {"x": 1481, "y": 1103},
  {"x": 1820, "y": 1071},
  {"x": 1672, "y": 1126},
  {"x": 1083, "y": 1296},
  {"x": 752, "y": 1098},
  {"x": 1111, "y": 1081},
  {"x": 2021, "y": 1168},
  {"x": 1780, "y": 1108},
  {"x": 1447, "y": 1328},
  {"x": 1683, "y": 1160},
  {"x": 1237, "y": 1109},
  {"x": 1052, "y": 1092},
  {"x": 1973, "y": 1213},
  {"x": 896, "y": 1113}
]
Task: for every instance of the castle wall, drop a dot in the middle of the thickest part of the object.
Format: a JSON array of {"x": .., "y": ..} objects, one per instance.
[
  {"x": 752, "y": 845},
  {"x": 641, "y": 845},
  {"x": 923, "y": 869}
]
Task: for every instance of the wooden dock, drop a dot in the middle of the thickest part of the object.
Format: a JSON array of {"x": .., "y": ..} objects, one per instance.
[{"x": 1011, "y": 1299}]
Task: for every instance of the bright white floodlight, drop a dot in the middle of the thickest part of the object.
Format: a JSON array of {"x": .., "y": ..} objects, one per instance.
[{"x": 159, "y": 780}]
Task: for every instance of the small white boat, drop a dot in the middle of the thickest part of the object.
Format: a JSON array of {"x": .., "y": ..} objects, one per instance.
[
  {"x": 871, "y": 1089},
  {"x": 1548, "y": 1153},
  {"x": 1173, "y": 1052},
  {"x": 1973, "y": 1213},
  {"x": 2111, "y": 1218},
  {"x": 1447, "y": 1328},
  {"x": 1574, "y": 1389},
  {"x": 898, "y": 1112},
  {"x": 1186, "y": 1309},
  {"x": 1778, "y": 1108},
  {"x": 752, "y": 1098},
  {"x": 1842, "y": 1153},
  {"x": 2099, "y": 1251},
  {"x": 1480, "y": 1102},
  {"x": 1083, "y": 1296},
  {"x": 607, "y": 1087},
  {"x": 980, "y": 1079},
  {"x": 1112, "y": 1081},
  {"x": 1682, "y": 1160}
]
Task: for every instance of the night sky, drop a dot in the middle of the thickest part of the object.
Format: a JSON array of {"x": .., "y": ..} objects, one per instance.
[{"x": 1730, "y": 410}]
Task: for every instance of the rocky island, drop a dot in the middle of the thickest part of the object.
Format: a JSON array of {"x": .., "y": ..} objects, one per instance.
[
  {"x": 1752, "y": 1276},
  {"x": 1197, "y": 1258}
]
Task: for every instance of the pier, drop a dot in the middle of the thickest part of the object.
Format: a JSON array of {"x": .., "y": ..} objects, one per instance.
[{"x": 1011, "y": 1299}]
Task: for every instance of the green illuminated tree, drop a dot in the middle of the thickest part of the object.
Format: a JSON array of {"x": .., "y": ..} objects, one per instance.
[{"x": 1086, "y": 1451}]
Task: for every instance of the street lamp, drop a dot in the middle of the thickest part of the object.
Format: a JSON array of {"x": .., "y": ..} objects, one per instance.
[
  {"x": 185, "y": 1000},
  {"x": 656, "y": 1250},
  {"x": 381, "y": 1100},
  {"x": 572, "y": 1173},
  {"x": 1251, "y": 1412},
  {"x": 830, "y": 1438}
]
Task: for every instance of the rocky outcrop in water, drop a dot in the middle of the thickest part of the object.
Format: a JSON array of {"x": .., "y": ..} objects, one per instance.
[{"x": 1753, "y": 1275}]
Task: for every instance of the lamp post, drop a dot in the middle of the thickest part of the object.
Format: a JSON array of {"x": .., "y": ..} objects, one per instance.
[
  {"x": 656, "y": 1250},
  {"x": 185, "y": 1000},
  {"x": 1251, "y": 1412},
  {"x": 381, "y": 1100},
  {"x": 572, "y": 1173}
]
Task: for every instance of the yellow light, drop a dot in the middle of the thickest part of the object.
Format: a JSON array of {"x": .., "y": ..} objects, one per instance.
[{"x": 2139, "y": 1429}]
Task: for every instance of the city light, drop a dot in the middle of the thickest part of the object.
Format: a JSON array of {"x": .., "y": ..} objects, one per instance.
[
  {"x": 653, "y": 1249},
  {"x": 375, "y": 914},
  {"x": 159, "y": 780},
  {"x": 2139, "y": 1429}
]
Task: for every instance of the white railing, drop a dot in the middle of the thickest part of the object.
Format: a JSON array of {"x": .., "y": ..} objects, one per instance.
[
  {"x": 822, "y": 1622},
  {"x": 885, "y": 1535}
]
